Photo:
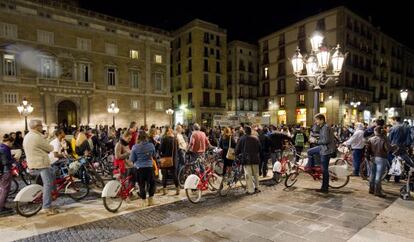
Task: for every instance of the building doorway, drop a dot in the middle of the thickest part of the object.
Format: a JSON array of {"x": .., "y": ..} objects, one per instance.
[{"x": 67, "y": 115}]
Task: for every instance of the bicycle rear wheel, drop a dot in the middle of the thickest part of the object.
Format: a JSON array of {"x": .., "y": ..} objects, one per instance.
[
  {"x": 214, "y": 182},
  {"x": 337, "y": 182},
  {"x": 183, "y": 173},
  {"x": 78, "y": 190},
  {"x": 227, "y": 183}
]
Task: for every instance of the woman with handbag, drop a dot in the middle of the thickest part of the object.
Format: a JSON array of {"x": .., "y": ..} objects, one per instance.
[
  {"x": 168, "y": 150},
  {"x": 142, "y": 154},
  {"x": 227, "y": 144}
]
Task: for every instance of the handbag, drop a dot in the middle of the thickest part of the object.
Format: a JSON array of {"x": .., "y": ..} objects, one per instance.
[
  {"x": 168, "y": 162},
  {"x": 155, "y": 166},
  {"x": 231, "y": 154}
]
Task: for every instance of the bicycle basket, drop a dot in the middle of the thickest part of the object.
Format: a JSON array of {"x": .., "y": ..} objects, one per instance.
[{"x": 74, "y": 167}]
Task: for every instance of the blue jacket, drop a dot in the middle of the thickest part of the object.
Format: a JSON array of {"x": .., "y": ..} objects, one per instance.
[
  {"x": 400, "y": 135},
  {"x": 142, "y": 153}
]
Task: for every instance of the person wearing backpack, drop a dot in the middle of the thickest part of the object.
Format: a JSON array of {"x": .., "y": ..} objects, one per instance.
[{"x": 299, "y": 139}]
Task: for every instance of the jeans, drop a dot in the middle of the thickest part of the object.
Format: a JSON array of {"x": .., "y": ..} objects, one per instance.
[
  {"x": 252, "y": 172},
  {"x": 181, "y": 159},
  {"x": 5, "y": 183},
  {"x": 146, "y": 178},
  {"x": 356, "y": 160},
  {"x": 377, "y": 169},
  {"x": 48, "y": 177},
  {"x": 311, "y": 152},
  {"x": 325, "y": 169}
]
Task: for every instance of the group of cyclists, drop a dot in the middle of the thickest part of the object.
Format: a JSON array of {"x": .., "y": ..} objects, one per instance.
[{"x": 143, "y": 152}]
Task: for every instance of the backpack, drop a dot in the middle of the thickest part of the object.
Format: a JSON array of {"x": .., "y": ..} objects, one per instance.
[{"x": 300, "y": 140}]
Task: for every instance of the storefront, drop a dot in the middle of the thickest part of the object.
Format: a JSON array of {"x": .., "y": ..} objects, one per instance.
[
  {"x": 281, "y": 117},
  {"x": 179, "y": 117},
  {"x": 301, "y": 116}
]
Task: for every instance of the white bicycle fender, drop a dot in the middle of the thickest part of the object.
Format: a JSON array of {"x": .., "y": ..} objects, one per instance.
[
  {"x": 277, "y": 167},
  {"x": 111, "y": 189},
  {"x": 191, "y": 182},
  {"x": 340, "y": 171},
  {"x": 28, "y": 193}
]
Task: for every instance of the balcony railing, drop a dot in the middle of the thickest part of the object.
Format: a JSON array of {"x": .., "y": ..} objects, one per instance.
[{"x": 64, "y": 83}]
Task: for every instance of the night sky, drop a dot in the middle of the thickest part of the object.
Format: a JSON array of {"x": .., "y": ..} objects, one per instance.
[{"x": 251, "y": 20}]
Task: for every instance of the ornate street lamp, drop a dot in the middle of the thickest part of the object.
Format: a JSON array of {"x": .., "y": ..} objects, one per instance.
[
  {"x": 317, "y": 65},
  {"x": 355, "y": 104},
  {"x": 404, "y": 95},
  {"x": 113, "y": 109},
  {"x": 25, "y": 109},
  {"x": 170, "y": 112}
]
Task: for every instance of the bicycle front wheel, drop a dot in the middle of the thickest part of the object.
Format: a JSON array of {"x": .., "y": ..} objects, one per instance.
[
  {"x": 193, "y": 195},
  {"x": 291, "y": 179},
  {"x": 112, "y": 204}
]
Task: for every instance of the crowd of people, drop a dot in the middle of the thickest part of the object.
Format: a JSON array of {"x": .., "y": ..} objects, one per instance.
[{"x": 137, "y": 151}]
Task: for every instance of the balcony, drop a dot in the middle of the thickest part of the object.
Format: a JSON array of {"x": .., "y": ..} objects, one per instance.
[
  {"x": 300, "y": 104},
  {"x": 64, "y": 83},
  {"x": 189, "y": 85},
  {"x": 178, "y": 88},
  {"x": 242, "y": 68},
  {"x": 219, "y": 87},
  {"x": 213, "y": 105}
]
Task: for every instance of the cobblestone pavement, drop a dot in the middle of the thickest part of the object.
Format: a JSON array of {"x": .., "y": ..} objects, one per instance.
[{"x": 275, "y": 214}]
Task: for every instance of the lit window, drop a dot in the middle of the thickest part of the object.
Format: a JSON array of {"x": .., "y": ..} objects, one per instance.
[
  {"x": 158, "y": 59},
  {"x": 266, "y": 72},
  {"x": 321, "y": 97},
  {"x": 134, "y": 54},
  {"x": 301, "y": 98}
]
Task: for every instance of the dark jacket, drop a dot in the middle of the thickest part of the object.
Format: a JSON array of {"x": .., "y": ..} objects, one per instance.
[
  {"x": 265, "y": 143},
  {"x": 80, "y": 150},
  {"x": 327, "y": 140},
  {"x": 167, "y": 145},
  {"x": 378, "y": 146},
  {"x": 276, "y": 141},
  {"x": 249, "y": 148},
  {"x": 6, "y": 159}
]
